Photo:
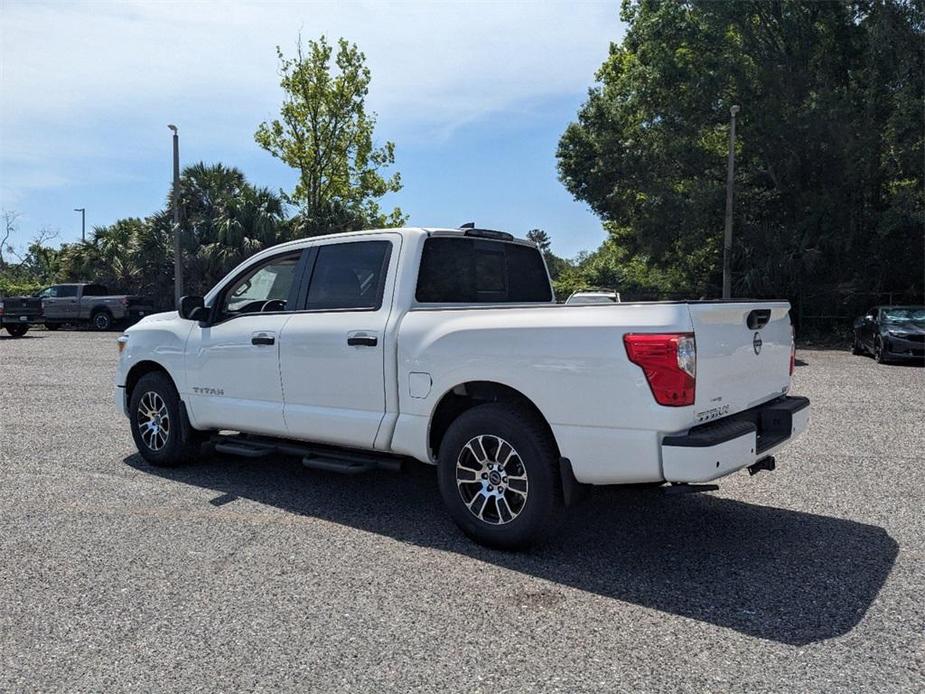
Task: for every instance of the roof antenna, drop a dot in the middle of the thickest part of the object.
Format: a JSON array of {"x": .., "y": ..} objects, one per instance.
[{"x": 467, "y": 225}]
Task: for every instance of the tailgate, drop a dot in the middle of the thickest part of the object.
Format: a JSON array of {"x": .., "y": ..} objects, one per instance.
[
  {"x": 25, "y": 305},
  {"x": 743, "y": 355}
]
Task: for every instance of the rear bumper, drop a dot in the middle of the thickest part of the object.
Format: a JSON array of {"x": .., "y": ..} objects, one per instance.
[
  {"x": 25, "y": 318},
  {"x": 711, "y": 451}
]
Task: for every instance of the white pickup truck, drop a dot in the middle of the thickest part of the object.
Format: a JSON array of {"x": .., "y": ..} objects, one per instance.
[{"x": 445, "y": 346}]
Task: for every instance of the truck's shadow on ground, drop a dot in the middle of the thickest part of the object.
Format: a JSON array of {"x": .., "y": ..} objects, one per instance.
[{"x": 782, "y": 575}]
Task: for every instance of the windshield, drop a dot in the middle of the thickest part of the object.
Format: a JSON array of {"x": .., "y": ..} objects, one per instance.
[{"x": 904, "y": 315}]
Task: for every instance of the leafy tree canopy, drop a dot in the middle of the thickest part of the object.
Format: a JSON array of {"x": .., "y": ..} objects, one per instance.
[
  {"x": 325, "y": 132},
  {"x": 829, "y": 177}
]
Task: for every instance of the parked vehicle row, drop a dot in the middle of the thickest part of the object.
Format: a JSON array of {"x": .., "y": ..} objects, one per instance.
[
  {"x": 90, "y": 304},
  {"x": 445, "y": 346},
  {"x": 80, "y": 303}
]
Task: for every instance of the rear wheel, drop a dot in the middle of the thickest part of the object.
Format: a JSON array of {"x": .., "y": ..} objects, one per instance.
[
  {"x": 17, "y": 329},
  {"x": 101, "y": 320},
  {"x": 499, "y": 476},
  {"x": 155, "y": 416}
]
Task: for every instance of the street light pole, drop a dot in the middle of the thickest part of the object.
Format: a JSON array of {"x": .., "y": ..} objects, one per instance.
[
  {"x": 83, "y": 222},
  {"x": 727, "y": 238},
  {"x": 175, "y": 204}
]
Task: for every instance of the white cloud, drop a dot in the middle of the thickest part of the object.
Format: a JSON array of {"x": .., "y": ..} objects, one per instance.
[{"x": 73, "y": 76}]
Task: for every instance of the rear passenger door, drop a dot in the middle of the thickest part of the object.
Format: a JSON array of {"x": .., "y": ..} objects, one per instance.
[{"x": 331, "y": 350}]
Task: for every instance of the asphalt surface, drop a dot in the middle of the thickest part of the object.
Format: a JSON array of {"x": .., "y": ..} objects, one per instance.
[{"x": 260, "y": 575}]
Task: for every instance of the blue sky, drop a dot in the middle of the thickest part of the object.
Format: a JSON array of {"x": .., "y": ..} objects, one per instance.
[{"x": 475, "y": 95}]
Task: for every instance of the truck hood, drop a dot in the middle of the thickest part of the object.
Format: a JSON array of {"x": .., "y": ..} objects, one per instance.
[{"x": 154, "y": 318}]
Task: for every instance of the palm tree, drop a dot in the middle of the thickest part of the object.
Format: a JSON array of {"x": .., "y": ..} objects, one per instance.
[{"x": 224, "y": 220}]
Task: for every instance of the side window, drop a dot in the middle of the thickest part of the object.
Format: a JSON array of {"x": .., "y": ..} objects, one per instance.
[
  {"x": 67, "y": 290},
  {"x": 349, "y": 276},
  {"x": 95, "y": 290},
  {"x": 264, "y": 288},
  {"x": 48, "y": 293}
]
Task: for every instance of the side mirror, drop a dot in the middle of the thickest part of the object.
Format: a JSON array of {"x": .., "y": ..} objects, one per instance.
[{"x": 193, "y": 308}]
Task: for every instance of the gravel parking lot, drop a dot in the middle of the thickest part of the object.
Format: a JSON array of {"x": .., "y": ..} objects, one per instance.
[{"x": 260, "y": 575}]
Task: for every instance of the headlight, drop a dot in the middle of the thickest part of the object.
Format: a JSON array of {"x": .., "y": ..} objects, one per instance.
[{"x": 121, "y": 341}]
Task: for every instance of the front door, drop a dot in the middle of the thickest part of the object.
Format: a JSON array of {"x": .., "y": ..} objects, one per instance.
[
  {"x": 332, "y": 349},
  {"x": 232, "y": 364},
  {"x": 60, "y": 302}
]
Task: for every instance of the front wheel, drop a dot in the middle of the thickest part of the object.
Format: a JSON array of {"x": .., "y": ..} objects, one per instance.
[
  {"x": 17, "y": 329},
  {"x": 498, "y": 473},
  {"x": 154, "y": 413},
  {"x": 880, "y": 351}
]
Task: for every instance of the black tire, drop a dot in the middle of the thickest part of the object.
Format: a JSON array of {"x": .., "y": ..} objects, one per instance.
[
  {"x": 879, "y": 352},
  {"x": 163, "y": 447},
  {"x": 52, "y": 326},
  {"x": 16, "y": 329},
  {"x": 856, "y": 347},
  {"x": 101, "y": 320},
  {"x": 531, "y": 519}
]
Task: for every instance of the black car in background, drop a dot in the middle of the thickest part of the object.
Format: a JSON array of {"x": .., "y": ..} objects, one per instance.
[{"x": 891, "y": 333}]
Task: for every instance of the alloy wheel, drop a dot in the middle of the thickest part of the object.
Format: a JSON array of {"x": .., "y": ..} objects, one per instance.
[
  {"x": 153, "y": 420},
  {"x": 491, "y": 479}
]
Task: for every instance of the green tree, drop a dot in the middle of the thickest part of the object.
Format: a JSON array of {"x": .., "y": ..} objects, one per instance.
[
  {"x": 829, "y": 178},
  {"x": 325, "y": 132},
  {"x": 554, "y": 263}
]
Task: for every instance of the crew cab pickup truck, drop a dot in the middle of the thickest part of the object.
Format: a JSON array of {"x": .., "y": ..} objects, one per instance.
[
  {"x": 90, "y": 304},
  {"x": 445, "y": 346}
]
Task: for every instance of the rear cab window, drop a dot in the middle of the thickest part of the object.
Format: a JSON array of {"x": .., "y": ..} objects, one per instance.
[{"x": 462, "y": 270}]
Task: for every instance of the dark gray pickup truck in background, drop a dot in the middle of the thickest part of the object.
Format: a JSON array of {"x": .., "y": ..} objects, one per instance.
[
  {"x": 85, "y": 303},
  {"x": 17, "y": 313}
]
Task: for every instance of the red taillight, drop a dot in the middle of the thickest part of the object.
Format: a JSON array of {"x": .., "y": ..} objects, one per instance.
[{"x": 669, "y": 361}]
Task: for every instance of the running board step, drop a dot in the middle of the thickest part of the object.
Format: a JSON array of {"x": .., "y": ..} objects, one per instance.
[
  {"x": 345, "y": 467},
  {"x": 685, "y": 488},
  {"x": 324, "y": 458},
  {"x": 348, "y": 464},
  {"x": 247, "y": 450}
]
